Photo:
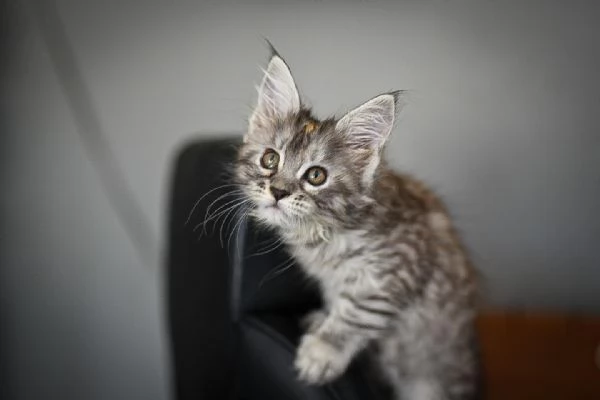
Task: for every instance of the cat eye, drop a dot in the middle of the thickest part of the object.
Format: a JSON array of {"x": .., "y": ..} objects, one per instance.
[
  {"x": 270, "y": 159},
  {"x": 315, "y": 176}
]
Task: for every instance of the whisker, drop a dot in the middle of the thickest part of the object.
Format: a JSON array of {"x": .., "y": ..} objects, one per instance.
[
  {"x": 203, "y": 196},
  {"x": 268, "y": 249},
  {"x": 237, "y": 235},
  {"x": 266, "y": 242},
  {"x": 216, "y": 215},
  {"x": 219, "y": 198},
  {"x": 276, "y": 271},
  {"x": 225, "y": 220},
  {"x": 235, "y": 225},
  {"x": 239, "y": 208},
  {"x": 232, "y": 219},
  {"x": 222, "y": 209}
]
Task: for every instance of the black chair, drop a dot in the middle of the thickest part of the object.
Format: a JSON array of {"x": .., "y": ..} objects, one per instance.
[{"x": 233, "y": 314}]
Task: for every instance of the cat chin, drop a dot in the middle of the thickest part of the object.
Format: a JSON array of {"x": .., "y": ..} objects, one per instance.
[{"x": 273, "y": 216}]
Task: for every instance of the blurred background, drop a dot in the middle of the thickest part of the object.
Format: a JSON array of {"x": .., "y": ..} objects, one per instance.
[{"x": 502, "y": 120}]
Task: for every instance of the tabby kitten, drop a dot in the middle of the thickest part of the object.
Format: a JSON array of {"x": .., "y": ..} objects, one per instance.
[{"x": 393, "y": 274}]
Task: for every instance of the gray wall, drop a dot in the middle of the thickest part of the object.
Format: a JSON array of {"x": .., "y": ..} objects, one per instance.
[{"x": 503, "y": 120}]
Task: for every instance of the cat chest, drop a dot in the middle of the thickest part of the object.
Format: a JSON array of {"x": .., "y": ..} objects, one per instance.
[{"x": 336, "y": 267}]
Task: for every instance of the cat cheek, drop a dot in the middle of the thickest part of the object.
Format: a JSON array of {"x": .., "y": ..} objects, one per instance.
[{"x": 257, "y": 193}]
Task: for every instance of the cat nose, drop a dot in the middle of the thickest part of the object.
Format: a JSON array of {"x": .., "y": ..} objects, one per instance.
[{"x": 279, "y": 193}]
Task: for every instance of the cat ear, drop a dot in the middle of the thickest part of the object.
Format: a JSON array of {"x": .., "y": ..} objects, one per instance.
[
  {"x": 368, "y": 126},
  {"x": 277, "y": 94},
  {"x": 367, "y": 129}
]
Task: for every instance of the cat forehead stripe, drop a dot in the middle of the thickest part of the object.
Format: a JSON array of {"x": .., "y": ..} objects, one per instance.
[{"x": 310, "y": 127}]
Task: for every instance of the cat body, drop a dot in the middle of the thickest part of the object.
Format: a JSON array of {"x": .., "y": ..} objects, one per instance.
[
  {"x": 408, "y": 287},
  {"x": 395, "y": 279}
]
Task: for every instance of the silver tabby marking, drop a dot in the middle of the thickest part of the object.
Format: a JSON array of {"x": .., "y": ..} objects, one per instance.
[{"x": 393, "y": 274}]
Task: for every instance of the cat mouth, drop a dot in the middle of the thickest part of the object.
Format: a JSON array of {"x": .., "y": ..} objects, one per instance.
[
  {"x": 274, "y": 210},
  {"x": 272, "y": 204},
  {"x": 274, "y": 207},
  {"x": 273, "y": 214}
]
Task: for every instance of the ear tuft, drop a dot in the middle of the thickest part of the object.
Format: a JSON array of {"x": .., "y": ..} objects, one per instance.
[{"x": 272, "y": 49}]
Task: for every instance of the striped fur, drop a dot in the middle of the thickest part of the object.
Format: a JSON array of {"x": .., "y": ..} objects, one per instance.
[{"x": 396, "y": 281}]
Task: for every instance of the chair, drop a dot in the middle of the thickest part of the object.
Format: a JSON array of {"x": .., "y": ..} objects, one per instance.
[{"x": 233, "y": 309}]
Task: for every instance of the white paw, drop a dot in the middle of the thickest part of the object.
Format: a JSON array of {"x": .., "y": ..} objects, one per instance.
[
  {"x": 313, "y": 320},
  {"x": 318, "y": 362}
]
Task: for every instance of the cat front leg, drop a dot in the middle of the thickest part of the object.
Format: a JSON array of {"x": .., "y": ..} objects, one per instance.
[
  {"x": 324, "y": 354},
  {"x": 312, "y": 321}
]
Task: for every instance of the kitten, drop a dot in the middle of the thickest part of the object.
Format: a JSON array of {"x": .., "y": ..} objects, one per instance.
[{"x": 393, "y": 274}]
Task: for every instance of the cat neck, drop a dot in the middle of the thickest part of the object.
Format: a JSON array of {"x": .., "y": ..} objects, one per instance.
[{"x": 308, "y": 234}]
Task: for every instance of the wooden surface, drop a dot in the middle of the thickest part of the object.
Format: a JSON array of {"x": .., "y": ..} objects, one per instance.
[{"x": 536, "y": 356}]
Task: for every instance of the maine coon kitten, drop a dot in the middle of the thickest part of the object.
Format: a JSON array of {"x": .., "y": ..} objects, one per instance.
[{"x": 392, "y": 271}]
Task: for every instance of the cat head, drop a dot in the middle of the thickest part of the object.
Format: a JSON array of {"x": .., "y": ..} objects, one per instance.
[{"x": 304, "y": 173}]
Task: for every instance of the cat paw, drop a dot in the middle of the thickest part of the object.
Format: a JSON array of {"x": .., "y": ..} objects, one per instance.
[
  {"x": 313, "y": 320},
  {"x": 317, "y": 361}
]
